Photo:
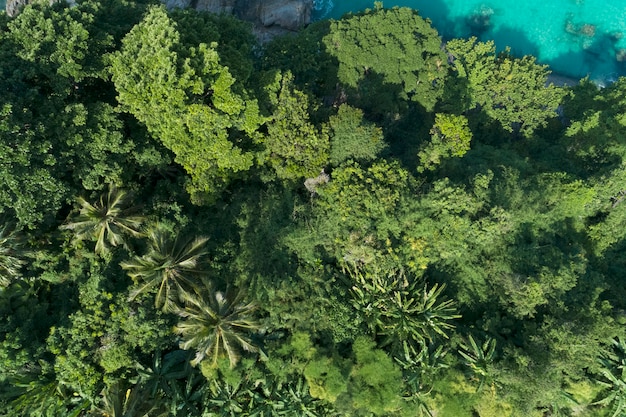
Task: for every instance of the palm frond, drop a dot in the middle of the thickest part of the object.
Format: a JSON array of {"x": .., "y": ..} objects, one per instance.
[
  {"x": 170, "y": 266},
  {"x": 216, "y": 324},
  {"x": 11, "y": 255},
  {"x": 107, "y": 221}
]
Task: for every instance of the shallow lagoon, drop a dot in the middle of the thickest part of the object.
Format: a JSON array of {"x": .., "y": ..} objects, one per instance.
[{"x": 575, "y": 37}]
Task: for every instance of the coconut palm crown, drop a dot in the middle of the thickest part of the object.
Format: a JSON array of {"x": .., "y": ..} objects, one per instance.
[
  {"x": 106, "y": 221},
  {"x": 10, "y": 261},
  {"x": 170, "y": 266},
  {"x": 216, "y": 324}
]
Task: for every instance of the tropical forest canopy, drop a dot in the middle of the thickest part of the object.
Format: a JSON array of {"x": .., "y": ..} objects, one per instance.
[{"x": 354, "y": 220}]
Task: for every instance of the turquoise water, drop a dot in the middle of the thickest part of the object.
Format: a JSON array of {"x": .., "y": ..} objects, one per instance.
[{"x": 575, "y": 37}]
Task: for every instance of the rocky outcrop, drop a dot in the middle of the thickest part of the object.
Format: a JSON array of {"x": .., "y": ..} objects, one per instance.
[
  {"x": 269, "y": 16},
  {"x": 216, "y": 6},
  {"x": 13, "y": 6},
  {"x": 287, "y": 14}
]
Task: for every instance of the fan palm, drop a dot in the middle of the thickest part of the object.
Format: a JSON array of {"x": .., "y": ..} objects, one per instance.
[
  {"x": 189, "y": 395},
  {"x": 299, "y": 402},
  {"x": 106, "y": 221},
  {"x": 169, "y": 266},
  {"x": 421, "y": 368},
  {"x": 10, "y": 249},
  {"x": 216, "y": 324},
  {"x": 227, "y": 399}
]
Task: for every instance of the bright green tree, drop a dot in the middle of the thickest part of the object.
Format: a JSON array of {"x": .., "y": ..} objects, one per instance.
[
  {"x": 395, "y": 44},
  {"x": 185, "y": 98},
  {"x": 450, "y": 137},
  {"x": 510, "y": 90},
  {"x": 294, "y": 147},
  {"x": 375, "y": 381}
]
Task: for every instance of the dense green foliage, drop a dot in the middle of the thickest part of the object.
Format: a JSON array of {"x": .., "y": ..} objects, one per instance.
[{"x": 354, "y": 220}]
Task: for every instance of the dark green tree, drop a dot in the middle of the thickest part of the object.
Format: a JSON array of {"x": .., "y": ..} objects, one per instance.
[{"x": 353, "y": 137}]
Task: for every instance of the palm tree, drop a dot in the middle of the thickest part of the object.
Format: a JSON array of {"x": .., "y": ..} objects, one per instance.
[
  {"x": 33, "y": 393},
  {"x": 478, "y": 357},
  {"x": 106, "y": 221},
  {"x": 401, "y": 309},
  {"x": 216, "y": 324},
  {"x": 613, "y": 377},
  {"x": 117, "y": 401},
  {"x": 289, "y": 399},
  {"x": 421, "y": 368},
  {"x": 10, "y": 250},
  {"x": 163, "y": 372},
  {"x": 169, "y": 266}
]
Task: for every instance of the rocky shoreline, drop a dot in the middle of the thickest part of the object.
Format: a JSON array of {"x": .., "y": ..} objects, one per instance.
[
  {"x": 562, "y": 80},
  {"x": 270, "y": 17}
]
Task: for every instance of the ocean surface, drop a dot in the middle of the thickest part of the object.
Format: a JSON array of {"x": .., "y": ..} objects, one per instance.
[{"x": 575, "y": 37}]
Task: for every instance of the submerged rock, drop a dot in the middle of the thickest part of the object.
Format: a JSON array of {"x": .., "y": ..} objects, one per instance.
[{"x": 480, "y": 21}]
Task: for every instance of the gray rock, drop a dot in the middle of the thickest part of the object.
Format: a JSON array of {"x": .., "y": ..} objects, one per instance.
[
  {"x": 274, "y": 15},
  {"x": 288, "y": 14},
  {"x": 176, "y": 4},
  {"x": 13, "y": 7},
  {"x": 216, "y": 6}
]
